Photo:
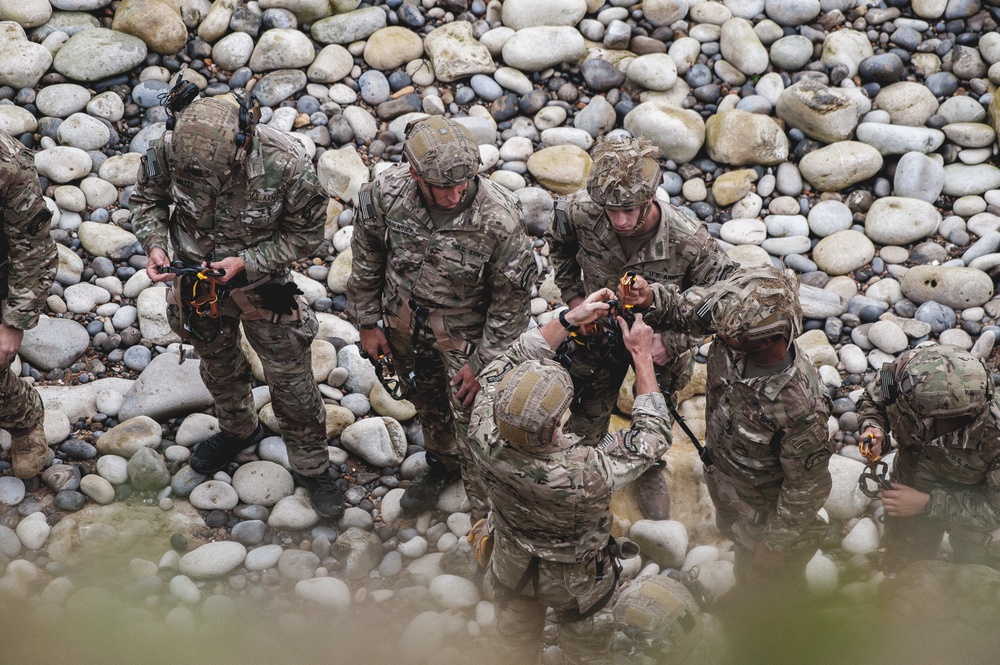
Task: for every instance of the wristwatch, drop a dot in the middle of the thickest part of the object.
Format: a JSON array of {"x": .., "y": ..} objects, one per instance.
[{"x": 565, "y": 323}]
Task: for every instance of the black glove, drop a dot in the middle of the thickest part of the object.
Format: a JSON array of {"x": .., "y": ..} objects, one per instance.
[{"x": 279, "y": 298}]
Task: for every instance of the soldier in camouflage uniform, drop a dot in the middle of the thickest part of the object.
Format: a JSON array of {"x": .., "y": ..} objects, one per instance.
[
  {"x": 941, "y": 408},
  {"x": 28, "y": 262},
  {"x": 766, "y": 422},
  {"x": 621, "y": 223},
  {"x": 550, "y": 494},
  {"x": 442, "y": 261},
  {"x": 249, "y": 197}
]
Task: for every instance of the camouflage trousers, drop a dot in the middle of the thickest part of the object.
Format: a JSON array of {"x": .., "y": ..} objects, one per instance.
[
  {"x": 597, "y": 380},
  {"x": 286, "y": 356},
  {"x": 444, "y": 420},
  {"x": 742, "y": 514},
  {"x": 520, "y": 618},
  {"x": 20, "y": 404}
]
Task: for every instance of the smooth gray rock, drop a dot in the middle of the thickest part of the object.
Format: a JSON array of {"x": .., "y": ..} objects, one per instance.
[{"x": 166, "y": 389}]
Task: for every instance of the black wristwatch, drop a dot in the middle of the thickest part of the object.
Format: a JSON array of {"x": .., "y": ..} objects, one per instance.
[{"x": 566, "y": 324}]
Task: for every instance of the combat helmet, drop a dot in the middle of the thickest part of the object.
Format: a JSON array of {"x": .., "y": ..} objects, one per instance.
[
  {"x": 941, "y": 381},
  {"x": 442, "y": 152},
  {"x": 755, "y": 303},
  {"x": 204, "y": 137},
  {"x": 658, "y": 621},
  {"x": 529, "y": 402},
  {"x": 625, "y": 173}
]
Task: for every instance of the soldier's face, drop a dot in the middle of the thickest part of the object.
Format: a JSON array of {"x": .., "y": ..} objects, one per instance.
[
  {"x": 445, "y": 198},
  {"x": 624, "y": 220}
]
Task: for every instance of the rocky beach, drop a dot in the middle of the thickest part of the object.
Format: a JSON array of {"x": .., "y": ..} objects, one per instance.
[{"x": 854, "y": 142}]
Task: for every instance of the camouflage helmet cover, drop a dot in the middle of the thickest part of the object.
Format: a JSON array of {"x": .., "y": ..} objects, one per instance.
[
  {"x": 204, "y": 137},
  {"x": 529, "y": 402},
  {"x": 625, "y": 173},
  {"x": 657, "y": 617},
  {"x": 943, "y": 382},
  {"x": 756, "y": 303},
  {"x": 442, "y": 152}
]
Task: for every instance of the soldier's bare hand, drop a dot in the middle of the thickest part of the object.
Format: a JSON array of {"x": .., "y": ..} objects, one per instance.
[
  {"x": 158, "y": 259},
  {"x": 374, "y": 343},
  {"x": 639, "y": 294},
  {"x": 659, "y": 351},
  {"x": 638, "y": 338},
  {"x": 904, "y": 501},
  {"x": 466, "y": 386},
  {"x": 766, "y": 558},
  {"x": 231, "y": 265},
  {"x": 877, "y": 437},
  {"x": 10, "y": 342},
  {"x": 590, "y": 309}
]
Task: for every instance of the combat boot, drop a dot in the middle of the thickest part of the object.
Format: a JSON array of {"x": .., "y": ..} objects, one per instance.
[
  {"x": 28, "y": 451},
  {"x": 654, "y": 495},
  {"x": 220, "y": 449},
  {"x": 326, "y": 497},
  {"x": 424, "y": 491}
]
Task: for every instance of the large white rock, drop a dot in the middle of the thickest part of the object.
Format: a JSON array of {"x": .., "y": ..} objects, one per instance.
[
  {"x": 840, "y": 165},
  {"x": 846, "y": 47},
  {"x": 846, "y": 500},
  {"x": 131, "y": 434},
  {"x": 907, "y": 102},
  {"x": 821, "y": 112},
  {"x": 951, "y": 286},
  {"x": 332, "y": 64},
  {"x": 663, "y": 541},
  {"x": 741, "y": 138},
  {"x": 166, "y": 389},
  {"x": 454, "y": 592},
  {"x": 22, "y": 63},
  {"x": 349, "y": 27},
  {"x": 821, "y": 576},
  {"x": 536, "y": 49},
  {"x": 379, "y": 441},
  {"x": 212, "y": 559},
  {"x": 342, "y": 172},
  {"x": 33, "y": 531},
  {"x": 54, "y": 343},
  {"x": 678, "y": 133},
  {"x": 862, "y": 539},
  {"x": 91, "y": 55},
  {"x": 899, "y": 139},
  {"x": 326, "y": 591},
  {"x": 894, "y": 220},
  {"x": 62, "y": 164},
  {"x": 106, "y": 239},
  {"x": 843, "y": 252},
  {"x": 282, "y": 48},
  {"x": 293, "y": 512},
  {"x": 263, "y": 483},
  {"x": 520, "y": 14},
  {"x": 741, "y": 47}
]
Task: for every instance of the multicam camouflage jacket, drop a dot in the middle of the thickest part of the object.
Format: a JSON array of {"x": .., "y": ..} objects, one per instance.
[
  {"x": 960, "y": 470},
  {"x": 587, "y": 255},
  {"x": 271, "y": 212},
  {"x": 480, "y": 261},
  {"x": 770, "y": 433},
  {"x": 28, "y": 257},
  {"x": 556, "y": 505}
]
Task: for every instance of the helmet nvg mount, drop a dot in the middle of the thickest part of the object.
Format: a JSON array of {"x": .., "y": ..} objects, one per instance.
[
  {"x": 442, "y": 152},
  {"x": 625, "y": 174}
]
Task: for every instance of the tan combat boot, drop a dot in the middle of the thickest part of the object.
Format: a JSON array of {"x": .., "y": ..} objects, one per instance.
[
  {"x": 654, "y": 495},
  {"x": 28, "y": 451}
]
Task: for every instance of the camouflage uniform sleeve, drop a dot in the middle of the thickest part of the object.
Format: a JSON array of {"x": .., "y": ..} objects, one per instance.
[
  {"x": 976, "y": 507},
  {"x": 678, "y": 310},
  {"x": 369, "y": 251},
  {"x": 32, "y": 258},
  {"x": 805, "y": 460},
  {"x": 529, "y": 346},
  {"x": 629, "y": 452},
  {"x": 150, "y": 203},
  {"x": 511, "y": 274},
  {"x": 871, "y": 407},
  {"x": 711, "y": 263},
  {"x": 302, "y": 224},
  {"x": 563, "y": 247}
]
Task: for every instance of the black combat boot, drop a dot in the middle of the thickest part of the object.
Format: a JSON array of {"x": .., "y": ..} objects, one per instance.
[
  {"x": 220, "y": 449},
  {"x": 327, "y": 499},
  {"x": 425, "y": 489},
  {"x": 654, "y": 495}
]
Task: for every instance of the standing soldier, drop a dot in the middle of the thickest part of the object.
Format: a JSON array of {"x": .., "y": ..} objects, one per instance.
[
  {"x": 766, "y": 423},
  {"x": 940, "y": 405},
  {"x": 550, "y": 494},
  {"x": 246, "y": 200},
  {"x": 624, "y": 223},
  {"x": 442, "y": 260},
  {"x": 28, "y": 261}
]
